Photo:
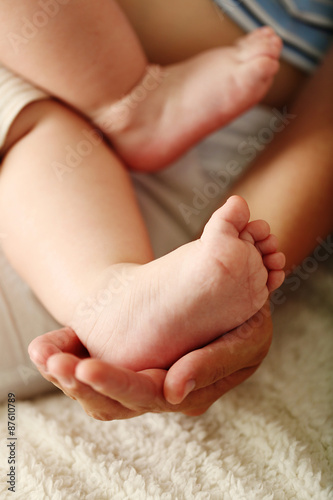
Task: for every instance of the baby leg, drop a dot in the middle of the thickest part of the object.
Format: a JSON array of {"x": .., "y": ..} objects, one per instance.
[
  {"x": 89, "y": 53},
  {"x": 149, "y": 316},
  {"x": 75, "y": 235},
  {"x": 67, "y": 206},
  {"x": 93, "y": 60}
]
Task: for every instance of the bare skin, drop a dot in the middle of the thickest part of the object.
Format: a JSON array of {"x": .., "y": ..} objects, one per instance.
[
  {"x": 102, "y": 280},
  {"x": 176, "y": 30},
  {"x": 186, "y": 103},
  {"x": 288, "y": 215},
  {"x": 150, "y": 114},
  {"x": 287, "y": 166},
  {"x": 108, "y": 392},
  {"x": 199, "y": 291}
]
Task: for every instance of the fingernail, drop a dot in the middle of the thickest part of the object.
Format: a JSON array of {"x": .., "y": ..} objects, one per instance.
[
  {"x": 41, "y": 367},
  {"x": 190, "y": 385},
  {"x": 97, "y": 387},
  {"x": 68, "y": 382}
]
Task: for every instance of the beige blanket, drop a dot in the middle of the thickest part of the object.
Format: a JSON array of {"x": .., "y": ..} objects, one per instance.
[{"x": 270, "y": 438}]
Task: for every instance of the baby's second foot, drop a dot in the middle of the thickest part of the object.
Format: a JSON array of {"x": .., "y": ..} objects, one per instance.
[
  {"x": 148, "y": 316},
  {"x": 174, "y": 107}
]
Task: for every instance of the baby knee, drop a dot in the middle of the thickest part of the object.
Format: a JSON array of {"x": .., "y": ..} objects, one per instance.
[{"x": 25, "y": 122}]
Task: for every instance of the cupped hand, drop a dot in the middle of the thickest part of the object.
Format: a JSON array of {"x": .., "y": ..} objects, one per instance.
[{"x": 109, "y": 392}]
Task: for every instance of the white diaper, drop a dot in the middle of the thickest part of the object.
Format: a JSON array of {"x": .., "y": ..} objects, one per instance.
[{"x": 175, "y": 203}]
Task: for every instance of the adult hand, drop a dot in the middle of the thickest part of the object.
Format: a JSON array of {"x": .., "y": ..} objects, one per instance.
[{"x": 109, "y": 392}]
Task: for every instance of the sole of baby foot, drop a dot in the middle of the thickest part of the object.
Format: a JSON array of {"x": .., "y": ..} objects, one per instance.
[{"x": 184, "y": 300}]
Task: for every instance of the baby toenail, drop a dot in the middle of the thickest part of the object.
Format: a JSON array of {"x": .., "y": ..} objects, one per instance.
[{"x": 267, "y": 29}]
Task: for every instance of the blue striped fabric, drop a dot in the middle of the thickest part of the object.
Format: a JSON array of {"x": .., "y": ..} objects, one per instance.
[{"x": 305, "y": 26}]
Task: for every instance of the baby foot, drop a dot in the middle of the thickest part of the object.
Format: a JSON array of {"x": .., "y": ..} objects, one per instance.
[
  {"x": 148, "y": 316},
  {"x": 174, "y": 107}
]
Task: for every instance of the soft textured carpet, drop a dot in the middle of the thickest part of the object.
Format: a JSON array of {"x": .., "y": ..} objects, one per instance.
[{"x": 270, "y": 438}]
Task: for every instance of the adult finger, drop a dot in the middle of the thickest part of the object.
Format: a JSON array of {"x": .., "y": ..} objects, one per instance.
[
  {"x": 244, "y": 347},
  {"x": 142, "y": 390},
  {"x": 199, "y": 401},
  {"x": 63, "y": 367},
  {"x": 57, "y": 341}
]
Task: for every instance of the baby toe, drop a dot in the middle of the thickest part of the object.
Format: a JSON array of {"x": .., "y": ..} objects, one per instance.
[
  {"x": 267, "y": 245},
  {"x": 255, "y": 231},
  {"x": 275, "y": 261},
  {"x": 275, "y": 280}
]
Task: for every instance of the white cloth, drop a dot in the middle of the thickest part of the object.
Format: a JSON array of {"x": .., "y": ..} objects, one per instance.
[
  {"x": 15, "y": 94},
  {"x": 175, "y": 204}
]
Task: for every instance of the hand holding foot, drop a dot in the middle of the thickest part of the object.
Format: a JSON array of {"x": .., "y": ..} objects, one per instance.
[
  {"x": 107, "y": 392},
  {"x": 148, "y": 316}
]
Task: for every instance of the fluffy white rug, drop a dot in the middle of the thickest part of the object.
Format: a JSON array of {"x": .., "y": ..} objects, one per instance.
[{"x": 271, "y": 438}]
